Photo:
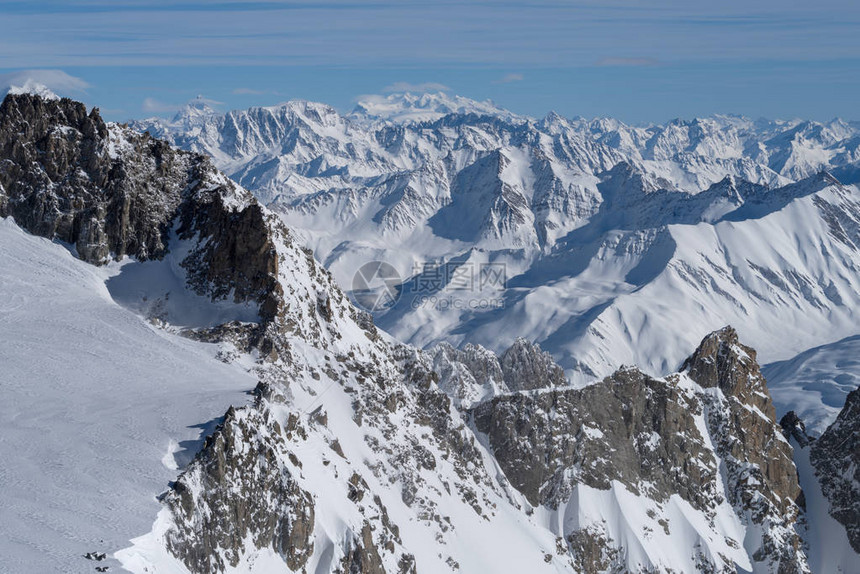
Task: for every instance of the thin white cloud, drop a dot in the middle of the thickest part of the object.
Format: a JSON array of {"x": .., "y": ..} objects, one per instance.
[
  {"x": 55, "y": 80},
  {"x": 421, "y": 88},
  {"x": 509, "y": 78},
  {"x": 252, "y": 92},
  {"x": 627, "y": 62},
  {"x": 429, "y": 35},
  {"x": 153, "y": 106}
]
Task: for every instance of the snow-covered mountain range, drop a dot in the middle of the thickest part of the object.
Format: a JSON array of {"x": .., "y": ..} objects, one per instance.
[
  {"x": 133, "y": 271},
  {"x": 618, "y": 244}
]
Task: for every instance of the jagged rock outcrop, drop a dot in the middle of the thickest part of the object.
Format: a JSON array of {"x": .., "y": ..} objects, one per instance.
[
  {"x": 474, "y": 374},
  {"x": 707, "y": 435},
  {"x": 239, "y": 489},
  {"x": 794, "y": 428},
  {"x": 61, "y": 179},
  {"x": 111, "y": 192},
  {"x": 468, "y": 375},
  {"x": 526, "y": 367},
  {"x": 836, "y": 459},
  {"x": 748, "y": 435},
  {"x": 761, "y": 478}
]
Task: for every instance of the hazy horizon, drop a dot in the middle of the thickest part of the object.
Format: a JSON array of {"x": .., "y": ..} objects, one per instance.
[{"x": 637, "y": 62}]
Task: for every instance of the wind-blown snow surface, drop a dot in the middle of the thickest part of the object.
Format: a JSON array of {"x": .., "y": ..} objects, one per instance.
[
  {"x": 816, "y": 382},
  {"x": 98, "y": 409}
]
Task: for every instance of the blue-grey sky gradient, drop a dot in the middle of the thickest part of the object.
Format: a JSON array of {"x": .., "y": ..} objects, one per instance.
[{"x": 639, "y": 61}]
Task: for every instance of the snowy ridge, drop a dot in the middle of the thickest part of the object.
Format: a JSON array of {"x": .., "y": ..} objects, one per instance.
[
  {"x": 427, "y": 107},
  {"x": 816, "y": 382}
]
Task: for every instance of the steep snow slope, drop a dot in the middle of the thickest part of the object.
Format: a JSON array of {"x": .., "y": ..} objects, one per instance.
[
  {"x": 830, "y": 550},
  {"x": 98, "y": 409},
  {"x": 788, "y": 277}
]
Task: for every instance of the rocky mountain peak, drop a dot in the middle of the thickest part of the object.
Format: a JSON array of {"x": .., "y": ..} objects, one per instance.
[
  {"x": 111, "y": 192},
  {"x": 721, "y": 361},
  {"x": 195, "y": 112},
  {"x": 31, "y": 86},
  {"x": 420, "y": 107},
  {"x": 29, "y": 114},
  {"x": 658, "y": 438}
]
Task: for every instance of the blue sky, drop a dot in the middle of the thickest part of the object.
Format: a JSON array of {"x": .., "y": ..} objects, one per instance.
[{"x": 638, "y": 61}]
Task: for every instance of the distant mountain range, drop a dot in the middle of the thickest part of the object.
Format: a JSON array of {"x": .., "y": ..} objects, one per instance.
[{"x": 620, "y": 244}]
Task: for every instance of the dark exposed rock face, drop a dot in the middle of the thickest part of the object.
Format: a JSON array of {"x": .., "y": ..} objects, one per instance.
[
  {"x": 836, "y": 459},
  {"x": 794, "y": 428},
  {"x": 60, "y": 180},
  {"x": 760, "y": 473},
  {"x": 526, "y": 367},
  {"x": 749, "y": 437},
  {"x": 238, "y": 488},
  {"x": 646, "y": 434},
  {"x": 239, "y": 258},
  {"x": 722, "y": 362},
  {"x": 473, "y": 373},
  {"x": 364, "y": 557},
  {"x": 110, "y": 192},
  {"x": 603, "y": 433}
]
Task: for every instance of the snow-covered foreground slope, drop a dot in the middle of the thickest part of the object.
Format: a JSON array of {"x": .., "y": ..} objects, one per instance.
[{"x": 98, "y": 409}]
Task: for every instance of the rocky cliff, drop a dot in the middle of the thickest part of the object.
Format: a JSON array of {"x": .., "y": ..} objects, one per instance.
[
  {"x": 110, "y": 192},
  {"x": 706, "y": 435}
]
